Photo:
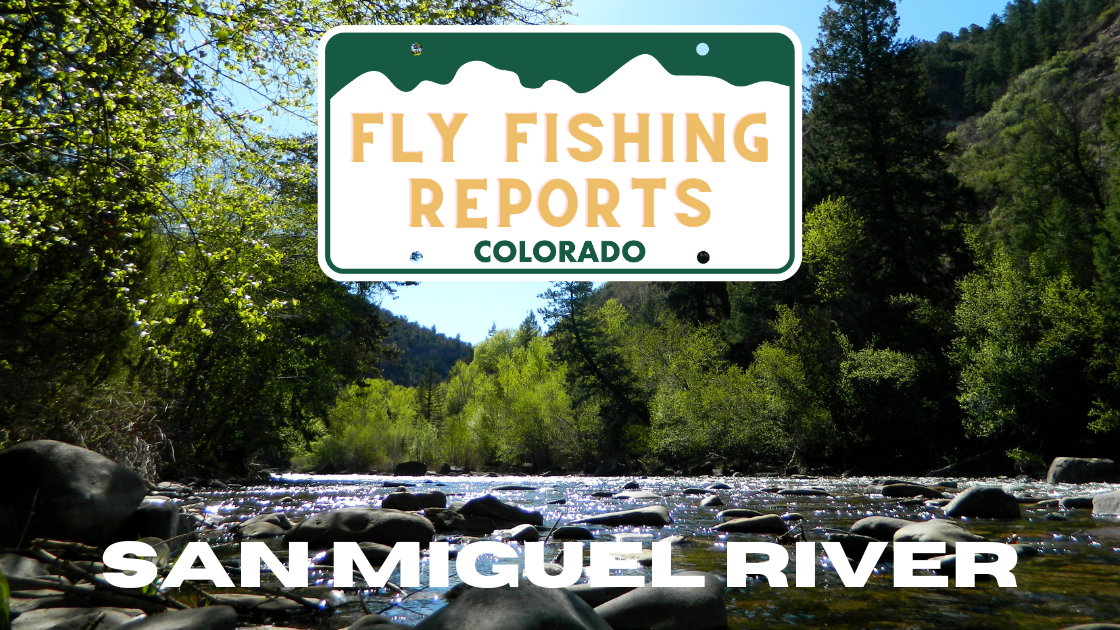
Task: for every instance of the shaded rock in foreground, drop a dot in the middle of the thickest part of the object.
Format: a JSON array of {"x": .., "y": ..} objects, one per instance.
[
  {"x": 377, "y": 525},
  {"x": 73, "y": 619},
  {"x": 207, "y": 618},
  {"x": 700, "y": 608},
  {"x": 78, "y": 495},
  {"x": 598, "y": 595},
  {"x": 526, "y": 607},
  {"x": 653, "y": 516},
  {"x": 983, "y": 502}
]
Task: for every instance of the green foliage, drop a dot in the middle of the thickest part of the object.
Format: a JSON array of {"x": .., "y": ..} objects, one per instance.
[
  {"x": 5, "y": 603},
  {"x": 1026, "y": 339},
  {"x": 373, "y": 425}
]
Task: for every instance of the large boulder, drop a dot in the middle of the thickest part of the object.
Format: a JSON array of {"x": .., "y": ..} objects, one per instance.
[
  {"x": 652, "y": 516},
  {"x": 411, "y": 469},
  {"x": 65, "y": 492},
  {"x": 491, "y": 507},
  {"x": 983, "y": 502},
  {"x": 879, "y": 527},
  {"x": 696, "y": 608},
  {"x": 1107, "y": 503},
  {"x": 410, "y": 502},
  {"x": 206, "y": 618},
  {"x": 1081, "y": 470},
  {"x": 376, "y": 525},
  {"x": 526, "y": 607}
]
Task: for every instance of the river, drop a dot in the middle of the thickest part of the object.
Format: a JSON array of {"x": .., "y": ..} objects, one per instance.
[{"x": 1074, "y": 579}]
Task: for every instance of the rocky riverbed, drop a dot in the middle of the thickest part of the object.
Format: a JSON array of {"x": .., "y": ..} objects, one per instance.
[{"x": 1068, "y": 571}]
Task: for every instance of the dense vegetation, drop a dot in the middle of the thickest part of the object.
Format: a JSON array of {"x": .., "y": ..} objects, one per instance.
[
  {"x": 959, "y": 296},
  {"x": 423, "y": 355}
]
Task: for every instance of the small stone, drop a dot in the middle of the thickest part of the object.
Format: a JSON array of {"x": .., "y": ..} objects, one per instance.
[
  {"x": 712, "y": 501},
  {"x": 524, "y": 533},
  {"x": 491, "y": 507},
  {"x": 879, "y": 527}
]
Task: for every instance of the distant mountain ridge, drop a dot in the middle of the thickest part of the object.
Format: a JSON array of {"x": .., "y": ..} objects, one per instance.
[{"x": 420, "y": 347}]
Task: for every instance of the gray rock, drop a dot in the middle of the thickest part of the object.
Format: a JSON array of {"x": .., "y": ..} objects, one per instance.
[
  {"x": 74, "y": 619},
  {"x": 526, "y": 607},
  {"x": 490, "y": 506},
  {"x": 983, "y": 502},
  {"x": 13, "y": 566},
  {"x": 734, "y": 513},
  {"x": 77, "y": 494},
  {"x": 377, "y": 525},
  {"x": 879, "y": 527},
  {"x": 524, "y": 533},
  {"x": 1081, "y": 470},
  {"x": 373, "y": 552},
  {"x": 631, "y": 485},
  {"x": 409, "y": 502},
  {"x": 638, "y": 495},
  {"x": 264, "y": 604},
  {"x": 207, "y": 618},
  {"x": 938, "y": 530},
  {"x": 410, "y": 469},
  {"x": 156, "y": 519},
  {"x": 1093, "y": 626},
  {"x": 1076, "y": 503},
  {"x": 647, "y": 607},
  {"x": 264, "y": 526},
  {"x": 512, "y": 488},
  {"x": 855, "y": 546},
  {"x": 765, "y": 524},
  {"x": 688, "y": 491},
  {"x": 571, "y": 532},
  {"x": 718, "y": 486},
  {"x": 598, "y": 595},
  {"x": 1107, "y": 503},
  {"x": 712, "y": 501},
  {"x": 653, "y": 516},
  {"x": 447, "y": 520},
  {"x": 602, "y": 494}
]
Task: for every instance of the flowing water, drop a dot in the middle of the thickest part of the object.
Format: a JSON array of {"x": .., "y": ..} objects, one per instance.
[{"x": 1075, "y": 578}]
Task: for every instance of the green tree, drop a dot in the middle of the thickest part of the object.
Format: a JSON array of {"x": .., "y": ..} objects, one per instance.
[{"x": 596, "y": 367}]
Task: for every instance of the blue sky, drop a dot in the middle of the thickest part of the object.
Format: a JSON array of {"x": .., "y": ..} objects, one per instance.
[{"x": 470, "y": 308}]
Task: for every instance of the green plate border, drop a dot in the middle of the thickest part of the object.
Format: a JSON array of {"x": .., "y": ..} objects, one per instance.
[{"x": 539, "y": 55}]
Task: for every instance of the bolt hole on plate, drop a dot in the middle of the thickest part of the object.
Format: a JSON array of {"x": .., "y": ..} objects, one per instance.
[
  {"x": 701, "y": 49},
  {"x": 416, "y": 257},
  {"x": 703, "y": 258},
  {"x": 417, "y": 49}
]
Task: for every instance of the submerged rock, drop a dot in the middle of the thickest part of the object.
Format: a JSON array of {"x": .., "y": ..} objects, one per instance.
[
  {"x": 377, "y": 525},
  {"x": 64, "y": 492},
  {"x": 526, "y": 607},
  {"x": 699, "y": 608},
  {"x": 712, "y": 501},
  {"x": 1081, "y": 470},
  {"x": 638, "y": 495},
  {"x": 653, "y": 516},
  {"x": 74, "y": 619},
  {"x": 983, "y": 502}
]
